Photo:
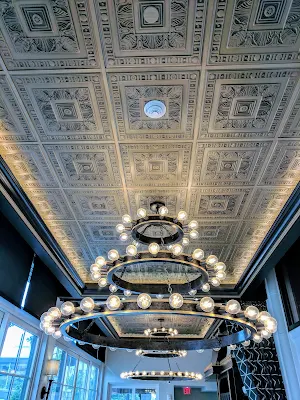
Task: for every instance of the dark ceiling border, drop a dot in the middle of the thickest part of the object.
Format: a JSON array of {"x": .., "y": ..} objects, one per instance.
[{"x": 17, "y": 208}]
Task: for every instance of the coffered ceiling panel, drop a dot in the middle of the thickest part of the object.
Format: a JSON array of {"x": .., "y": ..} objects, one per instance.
[{"x": 75, "y": 77}]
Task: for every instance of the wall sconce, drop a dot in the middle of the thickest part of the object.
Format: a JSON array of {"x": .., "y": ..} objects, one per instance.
[{"x": 52, "y": 367}]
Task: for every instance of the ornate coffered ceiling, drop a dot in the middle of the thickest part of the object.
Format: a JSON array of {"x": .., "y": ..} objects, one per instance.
[{"x": 74, "y": 79}]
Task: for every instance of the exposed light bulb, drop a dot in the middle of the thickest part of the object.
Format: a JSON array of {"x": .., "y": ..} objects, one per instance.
[
  {"x": 194, "y": 234},
  {"x": 131, "y": 250},
  {"x": 113, "y": 254},
  {"x": 271, "y": 325},
  {"x": 182, "y": 215},
  {"x": 127, "y": 293},
  {"x": 192, "y": 292},
  {"x": 163, "y": 210},
  {"x": 252, "y": 312},
  {"x": 153, "y": 248},
  {"x": 232, "y": 346},
  {"x": 113, "y": 302},
  {"x": 219, "y": 266},
  {"x": 198, "y": 254},
  {"x": 177, "y": 249},
  {"x": 113, "y": 288},
  {"x": 233, "y": 307},
  {"x": 94, "y": 268},
  {"x": 207, "y": 304},
  {"x": 263, "y": 316},
  {"x": 126, "y": 219},
  {"x": 95, "y": 276},
  {"x": 87, "y": 304},
  {"x": 144, "y": 301},
  {"x": 246, "y": 343},
  {"x": 159, "y": 296},
  {"x": 141, "y": 213},
  {"x": 102, "y": 282},
  {"x": 193, "y": 225},
  {"x": 265, "y": 334},
  {"x": 215, "y": 281},
  {"x": 185, "y": 241},
  {"x": 120, "y": 228},
  {"x": 54, "y": 312},
  {"x": 50, "y": 330},
  {"x": 176, "y": 300},
  {"x": 257, "y": 338},
  {"x": 100, "y": 261},
  {"x": 67, "y": 308},
  {"x": 212, "y": 260},
  {"x": 57, "y": 334},
  {"x": 221, "y": 275},
  {"x": 124, "y": 236},
  {"x": 206, "y": 287}
]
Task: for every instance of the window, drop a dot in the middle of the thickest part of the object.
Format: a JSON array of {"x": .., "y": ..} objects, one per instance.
[
  {"x": 77, "y": 378},
  {"x": 16, "y": 362},
  {"x": 133, "y": 394}
]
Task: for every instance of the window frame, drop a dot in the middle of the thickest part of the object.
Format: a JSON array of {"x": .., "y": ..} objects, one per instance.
[
  {"x": 133, "y": 387},
  {"x": 79, "y": 357}
]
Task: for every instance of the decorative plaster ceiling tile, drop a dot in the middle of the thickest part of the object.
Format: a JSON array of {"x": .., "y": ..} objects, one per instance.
[
  {"x": 175, "y": 200},
  {"x": 215, "y": 231},
  {"x": 227, "y": 164},
  {"x": 253, "y": 31},
  {"x": 238, "y": 260},
  {"x": 218, "y": 249},
  {"x": 101, "y": 249},
  {"x": 13, "y": 125},
  {"x": 177, "y": 90},
  {"x": 187, "y": 326},
  {"x": 144, "y": 32},
  {"x": 85, "y": 165},
  {"x": 216, "y": 203},
  {"x": 292, "y": 127},
  {"x": 66, "y": 107},
  {"x": 50, "y": 203},
  {"x": 266, "y": 203},
  {"x": 93, "y": 204},
  {"x": 42, "y": 34},
  {"x": 100, "y": 231},
  {"x": 156, "y": 164},
  {"x": 253, "y": 231},
  {"x": 284, "y": 165},
  {"x": 28, "y": 165},
  {"x": 242, "y": 104}
]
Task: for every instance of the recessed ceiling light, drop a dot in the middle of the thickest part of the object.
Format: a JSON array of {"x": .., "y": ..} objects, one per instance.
[{"x": 155, "y": 109}]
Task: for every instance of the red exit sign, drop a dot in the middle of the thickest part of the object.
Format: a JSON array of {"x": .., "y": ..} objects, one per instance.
[{"x": 187, "y": 390}]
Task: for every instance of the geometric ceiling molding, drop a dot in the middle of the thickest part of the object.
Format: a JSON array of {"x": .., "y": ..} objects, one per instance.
[
  {"x": 85, "y": 165},
  {"x": 173, "y": 34},
  {"x": 174, "y": 199},
  {"x": 28, "y": 165},
  {"x": 94, "y": 204},
  {"x": 227, "y": 164},
  {"x": 156, "y": 164},
  {"x": 13, "y": 125},
  {"x": 216, "y": 203},
  {"x": 66, "y": 107},
  {"x": 99, "y": 232},
  {"x": 252, "y": 231},
  {"x": 292, "y": 127},
  {"x": 255, "y": 31},
  {"x": 177, "y": 90},
  {"x": 284, "y": 165},
  {"x": 128, "y": 327},
  {"x": 246, "y": 104},
  {"x": 217, "y": 231},
  {"x": 47, "y": 34}
]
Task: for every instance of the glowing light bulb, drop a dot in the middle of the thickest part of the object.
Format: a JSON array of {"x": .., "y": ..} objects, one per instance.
[
  {"x": 263, "y": 316},
  {"x": 124, "y": 236},
  {"x": 246, "y": 343},
  {"x": 50, "y": 330},
  {"x": 95, "y": 276},
  {"x": 271, "y": 325},
  {"x": 113, "y": 255},
  {"x": 206, "y": 287},
  {"x": 265, "y": 334},
  {"x": 221, "y": 275},
  {"x": 207, "y": 304},
  {"x": 215, "y": 281},
  {"x": 67, "y": 308},
  {"x": 212, "y": 260},
  {"x": 193, "y": 225},
  {"x": 176, "y": 300},
  {"x": 219, "y": 266},
  {"x": 177, "y": 249},
  {"x": 194, "y": 234},
  {"x": 141, "y": 213},
  {"x": 87, "y": 304},
  {"x": 113, "y": 288},
  {"x": 127, "y": 293},
  {"x": 232, "y": 346},
  {"x": 113, "y": 302},
  {"x": 185, "y": 241},
  {"x": 163, "y": 211},
  {"x": 100, "y": 261},
  {"x": 120, "y": 228},
  {"x": 252, "y": 312},
  {"x": 126, "y": 219},
  {"x": 233, "y": 307},
  {"x": 192, "y": 292},
  {"x": 198, "y": 254},
  {"x": 94, "y": 268},
  {"x": 153, "y": 248},
  {"x": 131, "y": 250},
  {"x": 102, "y": 282},
  {"x": 57, "y": 334},
  {"x": 257, "y": 338},
  {"x": 54, "y": 312},
  {"x": 182, "y": 215},
  {"x": 144, "y": 301}
]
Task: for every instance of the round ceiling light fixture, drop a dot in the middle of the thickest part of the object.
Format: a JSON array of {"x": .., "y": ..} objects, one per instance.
[
  {"x": 162, "y": 375},
  {"x": 161, "y": 353},
  {"x": 155, "y": 109}
]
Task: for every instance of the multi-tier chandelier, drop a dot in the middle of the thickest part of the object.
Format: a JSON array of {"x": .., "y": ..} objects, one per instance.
[{"x": 158, "y": 239}]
